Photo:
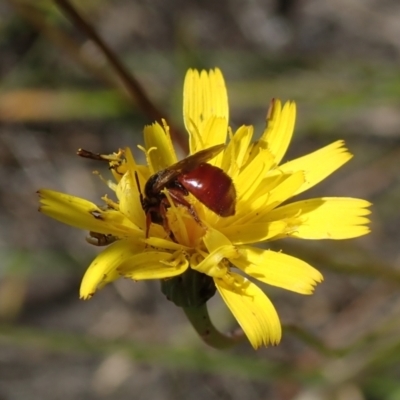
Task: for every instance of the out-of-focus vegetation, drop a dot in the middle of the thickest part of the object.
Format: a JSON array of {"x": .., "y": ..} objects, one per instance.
[{"x": 337, "y": 59}]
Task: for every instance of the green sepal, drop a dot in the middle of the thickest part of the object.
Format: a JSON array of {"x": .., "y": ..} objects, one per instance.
[{"x": 191, "y": 289}]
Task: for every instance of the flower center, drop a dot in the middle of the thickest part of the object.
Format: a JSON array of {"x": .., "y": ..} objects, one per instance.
[{"x": 186, "y": 230}]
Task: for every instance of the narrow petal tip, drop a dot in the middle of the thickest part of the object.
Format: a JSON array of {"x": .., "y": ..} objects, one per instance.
[{"x": 86, "y": 296}]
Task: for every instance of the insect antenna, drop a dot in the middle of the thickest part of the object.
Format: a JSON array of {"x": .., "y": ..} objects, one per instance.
[{"x": 140, "y": 191}]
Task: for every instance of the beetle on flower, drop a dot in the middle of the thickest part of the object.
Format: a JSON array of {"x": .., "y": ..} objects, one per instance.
[{"x": 196, "y": 251}]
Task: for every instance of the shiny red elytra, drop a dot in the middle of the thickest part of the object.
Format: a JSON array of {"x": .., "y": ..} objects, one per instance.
[{"x": 209, "y": 184}]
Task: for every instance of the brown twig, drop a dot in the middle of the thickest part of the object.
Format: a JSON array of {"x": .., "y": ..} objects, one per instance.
[
  {"x": 36, "y": 18},
  {"x": 132, "y": 88},
  {"x": 130, "y": 82}
]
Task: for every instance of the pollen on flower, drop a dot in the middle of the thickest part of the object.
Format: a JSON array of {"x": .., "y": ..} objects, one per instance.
[
  {"x": 186, "y": 230},
  {"x": 233, "y": 283},
  {"x": 178, "y": 260},
  {"x": 115, "y": 160},
  {"x": 110, "y": 203}
]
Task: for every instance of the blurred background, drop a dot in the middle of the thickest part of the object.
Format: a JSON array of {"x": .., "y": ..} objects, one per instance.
[{"x": 338, "y": 59}]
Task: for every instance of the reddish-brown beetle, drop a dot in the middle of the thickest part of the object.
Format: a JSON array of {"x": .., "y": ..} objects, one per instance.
[{"x": 209, "y": 184}]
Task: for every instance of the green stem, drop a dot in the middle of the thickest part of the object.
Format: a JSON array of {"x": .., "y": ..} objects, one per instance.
[{"x": 200, "y": 319}]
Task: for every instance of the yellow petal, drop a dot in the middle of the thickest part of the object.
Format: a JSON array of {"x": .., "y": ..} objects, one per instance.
[
  {"x": 129, "y": 200},
  {"x": 319, "y": 164},
  {"x": 163, "y": 154},
  {"x": 251, "y": 176},
  {"x": 253, "y": 232},
  {"x": 142, "y": 170},
  {"x": 324, "y": 218},
  {"x": 154, "y": 265},
  {"x": 214, "y": 239},
  {"x": 279, "y": 130},
  {"x": 251, "y": 307},
  {"x": 213, "y": 133},
  {"x": 257, "y": 207},
  {"x": 278, "y": 269},
  {"x": 219, "y": 248},
  {"x": 83, "y": 214},
  {"x": 185, "y": 229},
  {"x": 236, "y": 153},
  {"x": 166, "y": 244},
  {"x": 103, "y": 269},
  {"x": 280, "y": 193},
  {"x": 204, "y": 97},
  {"x": 212, "y": 265}
]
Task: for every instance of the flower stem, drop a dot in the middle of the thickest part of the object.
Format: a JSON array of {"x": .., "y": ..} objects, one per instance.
[{"x": 200, "y": 319}]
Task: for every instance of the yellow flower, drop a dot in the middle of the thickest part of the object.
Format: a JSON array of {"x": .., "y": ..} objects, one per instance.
[{"x": 219, "y": 249}]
